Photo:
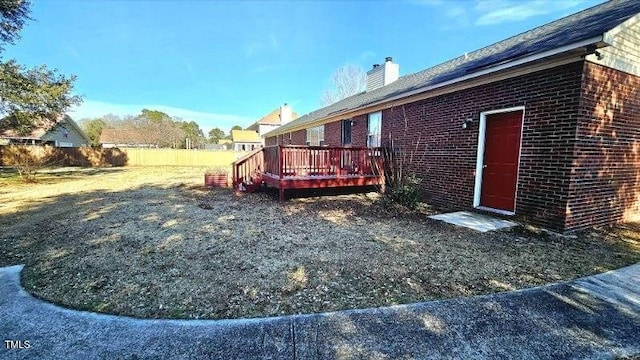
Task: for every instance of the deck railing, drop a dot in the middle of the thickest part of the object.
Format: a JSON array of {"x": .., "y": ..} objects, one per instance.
[
  {"x": 248, "y": 169},
  {"x": 309, "y": 161},
  {"x": 272, "y": 160}
]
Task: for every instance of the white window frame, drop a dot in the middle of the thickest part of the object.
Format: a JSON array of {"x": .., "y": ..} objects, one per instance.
[
  {"x": 319, "y": 135},
  {"x": 482, "y": 129},
  {"x": 376, "y": 132}
]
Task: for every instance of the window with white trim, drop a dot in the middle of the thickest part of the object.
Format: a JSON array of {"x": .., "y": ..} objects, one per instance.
[
  {"x": 315, "y": 136},
  {"x": 374, "y": 125}
]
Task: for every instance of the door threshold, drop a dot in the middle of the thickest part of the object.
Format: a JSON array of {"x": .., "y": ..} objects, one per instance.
[{"x": 497, "y": 211}]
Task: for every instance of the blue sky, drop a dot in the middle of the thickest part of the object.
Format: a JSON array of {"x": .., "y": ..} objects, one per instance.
[{"x": 223, "y": 63}]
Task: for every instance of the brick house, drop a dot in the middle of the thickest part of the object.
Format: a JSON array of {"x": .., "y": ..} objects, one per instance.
[
  {"x": 273, "y": 120},
  {"x": 543, "y": 126}
]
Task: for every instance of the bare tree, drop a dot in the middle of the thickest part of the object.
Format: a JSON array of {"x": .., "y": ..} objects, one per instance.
[
  {"x": 346, "y": 81},
  {"x": 29, "y": 160}
]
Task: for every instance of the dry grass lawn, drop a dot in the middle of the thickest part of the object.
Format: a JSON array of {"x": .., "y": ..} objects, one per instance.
[{"x": 151, "y": 242}]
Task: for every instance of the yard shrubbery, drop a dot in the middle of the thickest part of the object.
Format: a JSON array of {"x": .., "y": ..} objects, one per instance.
[
  {"x": 404, "y": 192},
  {"x": 402, "y": 184}
]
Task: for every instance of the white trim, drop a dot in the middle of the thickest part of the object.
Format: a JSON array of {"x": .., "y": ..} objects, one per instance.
[
  {"x": 379, "y": 129},
  {"x": 482, "y": 129}
]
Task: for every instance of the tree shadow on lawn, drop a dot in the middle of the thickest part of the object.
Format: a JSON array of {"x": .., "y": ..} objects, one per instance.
[
  {"x": 559, "y": 321},
  {"x": 178, "y": 252},
  {"x": 55, "y": 175}
]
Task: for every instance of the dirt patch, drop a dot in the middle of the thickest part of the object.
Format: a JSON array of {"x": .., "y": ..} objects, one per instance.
[{"x": 151, "y": 242}]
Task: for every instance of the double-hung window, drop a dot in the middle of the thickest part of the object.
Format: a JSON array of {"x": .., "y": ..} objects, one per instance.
[
  {"x": 315, "y": 136},
  {"x": 374, "y": 124}
]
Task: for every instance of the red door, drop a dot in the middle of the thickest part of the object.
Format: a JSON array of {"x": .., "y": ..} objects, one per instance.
[{"x": 500, "y": 163}]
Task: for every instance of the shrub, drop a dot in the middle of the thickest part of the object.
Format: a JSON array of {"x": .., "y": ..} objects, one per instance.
[
  {"x": 405, "y": 191},
  {"x": 29, "y": 160}
]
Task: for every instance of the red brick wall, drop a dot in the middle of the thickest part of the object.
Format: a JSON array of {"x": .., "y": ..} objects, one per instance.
[
  {"x": 605, "y": 186},
  {"x": 445, "y": 154},
  {"x": 271, "y": 141},
  {"x": 359, "y": 131},
  {"x": 283, "y": 139},
  {"x": 333, "y": 132},
  {"x": 299, "y": 137}
]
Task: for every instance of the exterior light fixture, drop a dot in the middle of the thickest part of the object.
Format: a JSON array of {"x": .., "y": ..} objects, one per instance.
[{"x": 467, "y": 123}]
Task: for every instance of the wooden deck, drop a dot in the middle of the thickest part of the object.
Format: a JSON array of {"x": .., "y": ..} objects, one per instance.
[{"x": 288, "y": 167}]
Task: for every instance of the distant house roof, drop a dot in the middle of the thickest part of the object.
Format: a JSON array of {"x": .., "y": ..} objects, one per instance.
[
  {"x": 39, "y": 131},
  {"x": 224, "y": 141},
  {"x": 122, "y": 137},
  {"x": 272, "y": 118},
  {"x": 577, "y": 31},
  {"x": 247, "y": 136}
]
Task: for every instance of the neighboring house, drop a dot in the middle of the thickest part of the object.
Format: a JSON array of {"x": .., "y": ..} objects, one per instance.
[
  {"x": 217, "y": 147},
  {"x": 226, "y": 143},
  {"x": 245, "y": 140},
  {"x": 63, "y": 133},
  {"x": 544, "y": 126},
  {"x": 124, "y": 138},
  {"x": 273, "y": 120}
]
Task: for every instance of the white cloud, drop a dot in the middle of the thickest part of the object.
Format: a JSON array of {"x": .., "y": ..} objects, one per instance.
[
  {"x": 269, "y": 43},
  {"x": 206, "y": 120},
  {"x": 428, "y": 2},
  {"x": 366, "y": 55},
  {"x": 262, "y": 69},
  {"x": 455, "y": 11},
  {"x": 493, "y": 12}
]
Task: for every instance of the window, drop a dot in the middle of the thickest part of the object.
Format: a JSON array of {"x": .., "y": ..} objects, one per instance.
[
  {"x": 373, "y": 129},
  {"x": 346, "y": 132},
  {"x": 315, "y": 136}
]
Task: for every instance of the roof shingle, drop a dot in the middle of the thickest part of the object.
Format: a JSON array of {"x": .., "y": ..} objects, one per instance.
[{"x": 584, "y": 25}]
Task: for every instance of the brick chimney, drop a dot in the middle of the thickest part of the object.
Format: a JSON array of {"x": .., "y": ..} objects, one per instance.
[
  {"x": 285, "y": 114},
  {"x": 382, "y": 75}
]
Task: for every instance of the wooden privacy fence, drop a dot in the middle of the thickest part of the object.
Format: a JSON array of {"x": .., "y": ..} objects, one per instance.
[
  {"x": 10, "y": 155},
  {"x": 180, "y": 157},
  {"x": 85, "y": 156}
]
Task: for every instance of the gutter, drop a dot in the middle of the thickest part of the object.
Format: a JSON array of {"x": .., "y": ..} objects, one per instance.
[{"x": 599, "y": 41}]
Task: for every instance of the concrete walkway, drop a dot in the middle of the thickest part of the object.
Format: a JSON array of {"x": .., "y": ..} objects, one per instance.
[
  {"x": 595, "y": 317},
  {"x": 474, "y": 221}
]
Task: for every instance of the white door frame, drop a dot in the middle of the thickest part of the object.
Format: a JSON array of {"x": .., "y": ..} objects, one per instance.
[{"x": 480, "y": 158}]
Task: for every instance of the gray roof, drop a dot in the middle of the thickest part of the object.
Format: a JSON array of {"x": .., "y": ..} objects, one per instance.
[{"x": 572, "y": 29}]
